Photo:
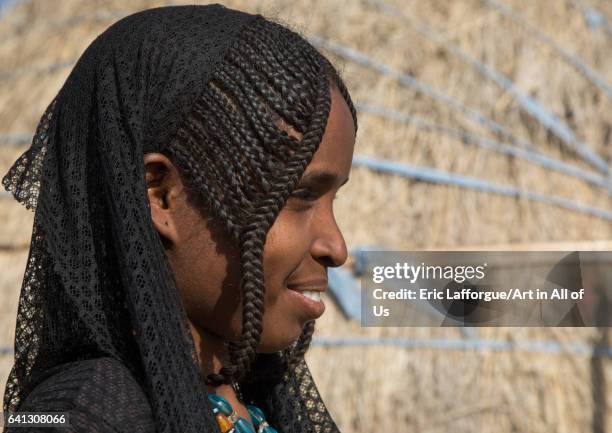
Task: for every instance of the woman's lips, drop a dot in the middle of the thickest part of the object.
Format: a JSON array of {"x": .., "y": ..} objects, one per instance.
[{"x": 305, "y": 294}]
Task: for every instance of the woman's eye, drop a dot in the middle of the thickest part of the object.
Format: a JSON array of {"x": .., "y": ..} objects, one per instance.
[{"x": 304, "y": 194}]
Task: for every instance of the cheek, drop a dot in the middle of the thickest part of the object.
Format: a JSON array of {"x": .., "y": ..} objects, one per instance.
[
  {"x": 287, "y": 245},
  {"x": 210, "y": 284},
  {"x": 210, "y": 290}
]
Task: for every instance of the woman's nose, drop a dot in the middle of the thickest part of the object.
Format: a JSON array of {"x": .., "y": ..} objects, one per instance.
[{"x": 329, "y": 246}]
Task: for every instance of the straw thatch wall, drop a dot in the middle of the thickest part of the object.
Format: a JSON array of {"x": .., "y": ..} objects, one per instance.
[{"x": 424, "y": 390}]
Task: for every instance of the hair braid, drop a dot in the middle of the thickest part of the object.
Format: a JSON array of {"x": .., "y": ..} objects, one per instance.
[
  {"x": 292, "y": 355},
  {"x": 265, "y": 128},
  {"x": 255, "y": 235},
  {"x": 287, "y": 107},
  {"x": 233, "y": 153}
]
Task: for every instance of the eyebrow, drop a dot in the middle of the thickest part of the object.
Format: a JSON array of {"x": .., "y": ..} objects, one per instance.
[{"x": 322, "y": 177}]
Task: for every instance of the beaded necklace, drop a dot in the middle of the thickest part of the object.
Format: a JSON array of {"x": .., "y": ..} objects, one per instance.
[{"x": 230, "y": 422}]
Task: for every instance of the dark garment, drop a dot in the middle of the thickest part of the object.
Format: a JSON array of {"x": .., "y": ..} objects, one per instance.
[{"x": 99, "y": 395}]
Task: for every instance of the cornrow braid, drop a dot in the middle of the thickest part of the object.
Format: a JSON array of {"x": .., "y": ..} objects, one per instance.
[
  {"x": 292, "y": 355},
  {"x": 233, "y": 154}
]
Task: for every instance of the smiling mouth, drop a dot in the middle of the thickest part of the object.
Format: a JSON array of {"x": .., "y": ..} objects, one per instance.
[
  {"x": 311, "y": 294},
  {"x": 310, "y": 298},
  {"x": 311, "y": 289}
]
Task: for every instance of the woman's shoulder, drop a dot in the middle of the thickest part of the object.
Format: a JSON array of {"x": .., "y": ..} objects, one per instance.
[{"x": 98, "y": 394}]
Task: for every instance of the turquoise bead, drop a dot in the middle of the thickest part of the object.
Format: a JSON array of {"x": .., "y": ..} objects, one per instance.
[
  {"x": 221, "y": 404},
  {"x": 243, "y": 426},
  {"x": 269, "y": 429},
  {"x": 256, "y": 414}
]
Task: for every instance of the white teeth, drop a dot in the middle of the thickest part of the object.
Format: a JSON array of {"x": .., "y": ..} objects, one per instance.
[{"x": 315, "y": 296}]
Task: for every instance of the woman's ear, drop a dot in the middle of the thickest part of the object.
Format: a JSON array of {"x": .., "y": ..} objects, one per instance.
[{"x": 164, "y": 186}]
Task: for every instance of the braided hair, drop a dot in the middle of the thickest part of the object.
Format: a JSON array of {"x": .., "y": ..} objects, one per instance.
[{"x": 242, "y": 166}]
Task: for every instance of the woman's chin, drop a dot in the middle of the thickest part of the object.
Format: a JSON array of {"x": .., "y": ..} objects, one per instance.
[{"x": 277, "y": 344}]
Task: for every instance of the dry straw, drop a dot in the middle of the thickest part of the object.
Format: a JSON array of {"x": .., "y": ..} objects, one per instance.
[{"x": 425, "y": 390}]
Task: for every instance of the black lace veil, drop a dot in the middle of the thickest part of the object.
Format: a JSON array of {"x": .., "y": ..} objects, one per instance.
[{"x": 97, "y": 282}]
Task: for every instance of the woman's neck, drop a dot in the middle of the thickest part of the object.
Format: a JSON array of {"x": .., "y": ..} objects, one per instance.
[
  {"x": 211, "y": 351},
  {"x": 212, "y": 354}
]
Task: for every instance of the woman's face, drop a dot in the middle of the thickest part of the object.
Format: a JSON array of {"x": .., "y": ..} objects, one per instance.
[{"x": 301, "y": 244}]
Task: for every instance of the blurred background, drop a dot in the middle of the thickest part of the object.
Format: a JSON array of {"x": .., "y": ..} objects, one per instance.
[{"x": 483, "y": 125}]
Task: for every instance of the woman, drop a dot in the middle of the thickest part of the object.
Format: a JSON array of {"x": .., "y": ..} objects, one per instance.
[{"x": 183, "y": 180}]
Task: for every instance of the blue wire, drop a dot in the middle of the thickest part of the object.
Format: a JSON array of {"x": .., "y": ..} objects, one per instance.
[
  {"x": 544, "y": 116},
  {"x": 430, "y": 175},
  {"x": 593, "y": 18},
  {"x": 409, "y": 80},
  {"x": 547, "y": 347},
  {"x": 544, "y": 347},
  {"x": 568, "y": 57},
  {"x": 534, "y": 157}
]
